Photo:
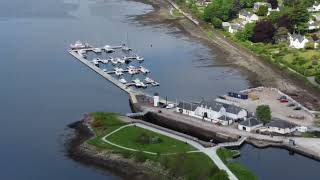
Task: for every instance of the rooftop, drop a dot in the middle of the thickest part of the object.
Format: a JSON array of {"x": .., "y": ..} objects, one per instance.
[
  {"x": 251, "y": 122},
  {"x": 281, "y": 124}
]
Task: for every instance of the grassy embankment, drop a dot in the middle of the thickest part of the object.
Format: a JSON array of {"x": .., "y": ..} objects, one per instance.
[
  {"x": 300, "y": 63},
  {"x": 239, "y": 170},
  {"x": 178, "y": 163}
]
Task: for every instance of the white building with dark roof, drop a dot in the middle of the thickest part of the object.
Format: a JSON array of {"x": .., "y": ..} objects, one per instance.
[
  {"x": 257, "y": 5},
  {"x": 281, "y": 127},
  {"x": 219, "y": 112},
  {"x": 250, "y": 124},
  {"x": 233, "y": 28},
  {"x": 247, "y": 16},
  {"x": 297, "y": 41},
  {"x": 315, "y": 7},
  {"x": 312, "y": 25},
  {"x": 187, "y": 108},
  {"x": 212, "y": 111}
]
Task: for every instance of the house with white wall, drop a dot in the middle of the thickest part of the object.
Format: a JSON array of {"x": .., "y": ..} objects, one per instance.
[
  {"x": 312, "y": 25},
  {"x": 250, "y": 124},
  {"x": 233, "y": 28},
  {"x": 219, "y": 112},
  {"x": 257, "y": 5},
  {"x": 186, "y": 108},
  {"x": 247, "y": 16},
  {"x": 315, "y": 7},
  {"x": 297, "y": 41},
  {"x": 281, "y": 127}
]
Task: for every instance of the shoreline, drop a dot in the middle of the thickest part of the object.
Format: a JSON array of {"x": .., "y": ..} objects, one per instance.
[
  {"x": 78, "y": 150},
  {"x": 260, "y": 71}
]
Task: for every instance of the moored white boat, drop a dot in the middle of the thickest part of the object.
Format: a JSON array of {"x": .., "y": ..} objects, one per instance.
[
  {"x": 144, "y": 70},
  {"x": 108, "y": 49},
  {"x": 123, "y": 81},
  {"x": 148, "y": 80},
  {"x": 79, "y": 45}
]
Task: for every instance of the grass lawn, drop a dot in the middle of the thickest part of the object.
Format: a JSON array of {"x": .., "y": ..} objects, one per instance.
[
  {"x": 239, "y": 170},
  {"x": 307, "y": 67},
  {"x": 187, "y": 165},
  {"x": 128, "y": 136}
]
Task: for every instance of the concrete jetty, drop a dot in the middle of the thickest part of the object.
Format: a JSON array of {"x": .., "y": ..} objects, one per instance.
[{"x": 101, "y": 72}]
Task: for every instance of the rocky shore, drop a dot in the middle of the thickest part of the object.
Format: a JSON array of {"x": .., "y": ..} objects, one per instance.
[{"x": 79, "y": 150}]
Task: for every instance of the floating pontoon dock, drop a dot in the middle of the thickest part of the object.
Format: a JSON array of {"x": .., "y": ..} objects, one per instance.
[{"x": 125, "y": 87}]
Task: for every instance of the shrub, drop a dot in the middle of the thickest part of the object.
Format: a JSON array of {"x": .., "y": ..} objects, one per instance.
[
  {"x": 263, "y": 10},
  {"x": 217, "y": 23},
  {"x": 310, "y": 45},
  {"x": 144, "y": 138}
]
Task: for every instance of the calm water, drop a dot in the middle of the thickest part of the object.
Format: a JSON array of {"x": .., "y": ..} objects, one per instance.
[
  {"x": 273, "y": 163},
  {"x": 44, "y": 88}
]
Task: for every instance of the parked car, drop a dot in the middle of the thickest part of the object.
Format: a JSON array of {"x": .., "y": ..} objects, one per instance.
[
  {"x": 297, "y": 108},
  {"x": 282, "y": 97},
  {"x": 284, "y": 100},
  {"x": 291, "y": 105},
  {"x": 170, "y": 106}
]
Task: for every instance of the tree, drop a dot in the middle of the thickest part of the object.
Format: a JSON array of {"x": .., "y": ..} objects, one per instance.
[
  {"x": 222, "y": 9},
  {"x": 281, "y": 34},
  {"x": 217, "y": 23},
  {"x": 246, "y": 33},
  {"x": 285, "y": 21},
  {"x": 263, "y": 32},
  {"x": 262, "y": 11},
  {"x": 247, "y": 3},
  {"x": 274, "y": 3},
  {"x": 299, "y": 17},
  {"x": 263, "y": 113}
]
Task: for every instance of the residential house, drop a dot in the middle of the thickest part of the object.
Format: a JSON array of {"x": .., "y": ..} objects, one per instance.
[
  {"x": 250, "y": 124},
  {"x": 315, "y": 7},
  {"x": 316, "y": 17},
  {"x": 204, "y": 3},
  {"x": 247, "y": 16},
  {"x": 257, "y": 5},
  {"x": 281, "y": 127},
  {"x": 297, "y": 41},
  {"x": 220, "y": 112},
  {"x": 186, "y": 108},
  {"x": 209, "y": 110},
  {"x": 312, "y": 25},
  {"x": 233, "y": 28}
]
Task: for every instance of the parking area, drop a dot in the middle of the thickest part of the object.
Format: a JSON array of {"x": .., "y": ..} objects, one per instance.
[{"x": 281, "y": 108}]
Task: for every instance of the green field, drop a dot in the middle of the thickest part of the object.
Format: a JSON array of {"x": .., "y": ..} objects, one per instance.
[
  {"x": 239, "y": 170},
  {"x": 128, "y": 137},
  {"x": 179, "y": 164},
  {"x": 302, "y": 61}
]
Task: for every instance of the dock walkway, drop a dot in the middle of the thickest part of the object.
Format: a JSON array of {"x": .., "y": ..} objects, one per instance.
[{"x": 101, "y": 72}]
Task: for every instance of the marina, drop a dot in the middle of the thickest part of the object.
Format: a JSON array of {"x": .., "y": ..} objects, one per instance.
[{"x": 79, "y": 50}]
